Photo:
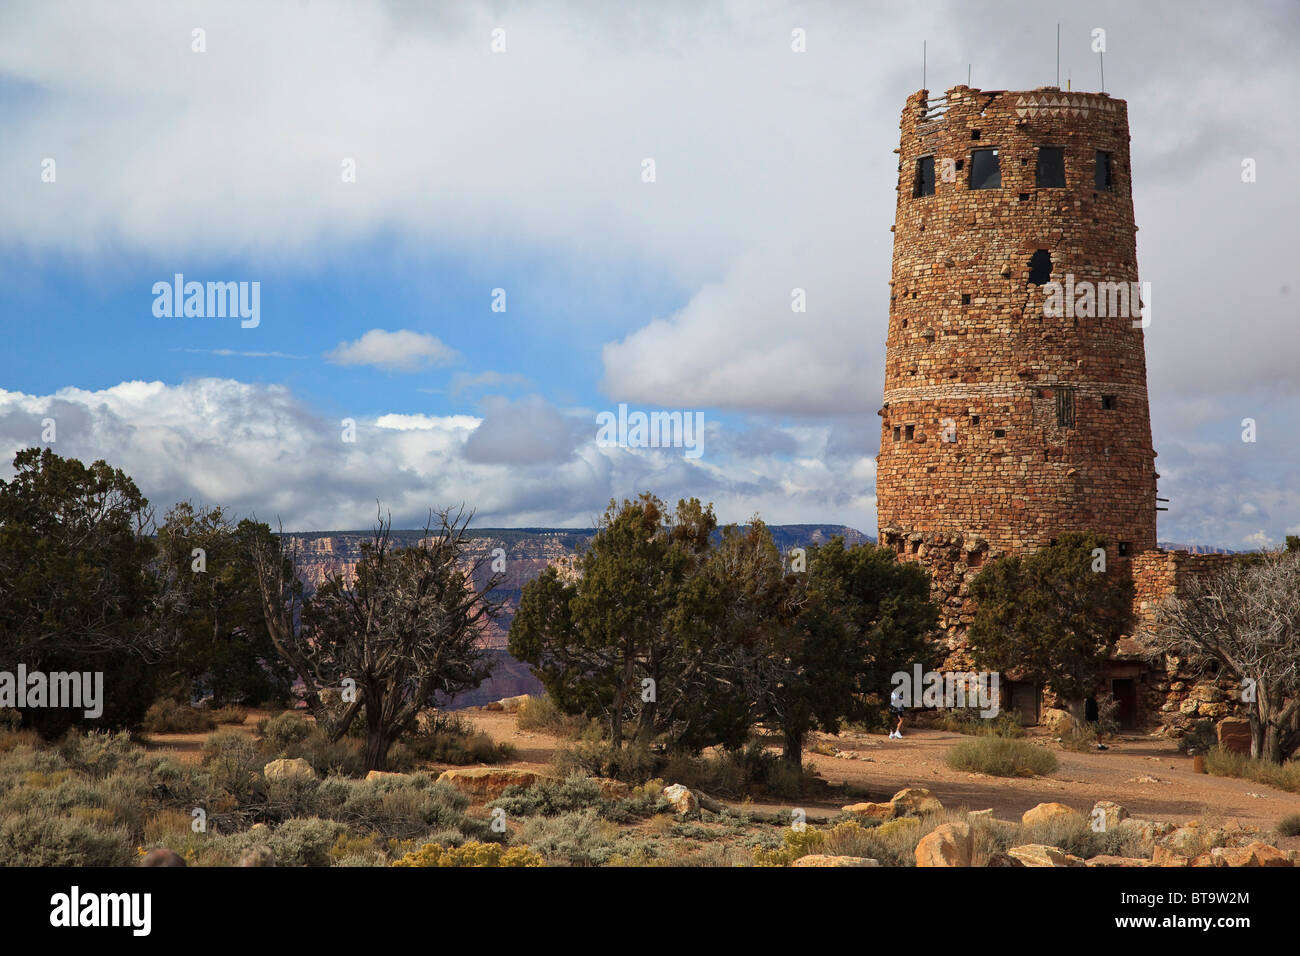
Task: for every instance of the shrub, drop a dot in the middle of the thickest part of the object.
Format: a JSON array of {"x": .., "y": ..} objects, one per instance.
[
  {"x": 1074, "y": 834},
  {"x": 1225, "y": 763},
  {"x": 539, "y": 713},
  {"x": 1201, "y": 739},
  {"x": 968, "y": 721},
  {"x": 574, "y": 839},
  {"x": 167, "y": 716},
  {"x": 1081, "y": 738},
  {"x": 1289, "y": 826},
  {"x": 549, "y": 799},
  {"x": 1001, "y": 757},
  {"x": 745, "y": 771},
  {"x": 232, "y": 762},
  {"x": 282, "y": 733},
  {"x": 633, "y": 763},
  {"x": 230, "y": 715},
  {"x": 305, "y": 841},
  {"x": 471, "y": 854},
  {"x": 38, "y": 838}
]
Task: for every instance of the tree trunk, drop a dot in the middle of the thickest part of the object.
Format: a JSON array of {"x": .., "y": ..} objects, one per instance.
[
  {"x": 793, "y": 750},
  {"x": 376, "y": 752}
]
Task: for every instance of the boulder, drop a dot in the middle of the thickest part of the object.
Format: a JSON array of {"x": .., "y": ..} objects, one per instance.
[
  {"x": 1163, "y": 856},
  {"x": 1252, "y": 854},
  {"x": 914, "y": 802},
  {"x": 1147, "y": 830},
  {"x": 485, "y": 784},
  {"x": 385, "y": 775},
  {"x": 1193, "y": 839},
  {"x": 950, "y": 844},
  {"x": 511, "y": 705},
  {"x": 289, "y": 768},
  {"x": 1234, "y": 734},
  {"x": 1106, "y": 860},
  {"x": 1039, "y": 854},
  {"x": 1110, "y": 814},
  {"x": 822, "y": 859},
  {"x": 871, "y": 811},
  {"x": 681, "y": 799},
  {"x": 1056, "y": 721},
  {"x": 980, "y": 816},
  {"x": 162, "y": 857},
  {"x": 1045, "y": 812}
]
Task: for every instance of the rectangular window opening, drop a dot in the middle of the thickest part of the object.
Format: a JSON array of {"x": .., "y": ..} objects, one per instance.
[
  {"x": 909, "y": 432},
  {"x": 1050, "y": 171},
  {"x": 898, "y": 433},
  {"x": 965, "y": 298},
  {"x": 999, "y": 433},
  {"x": 1103, "y": 180},
  {"x": 1109, "y": 402},
  {"x": 924, "y": 182},
  {"x": 985, "y": 173},
  {"x": 1125, "y": 548}
]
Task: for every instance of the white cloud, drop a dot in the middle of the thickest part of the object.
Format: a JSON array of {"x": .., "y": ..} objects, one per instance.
[{"x": 402, "y": 351}]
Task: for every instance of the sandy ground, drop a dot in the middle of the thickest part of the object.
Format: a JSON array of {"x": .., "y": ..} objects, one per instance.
[
  {"x": 918, "y": 760},
  {"x": 886, "y": 766}
]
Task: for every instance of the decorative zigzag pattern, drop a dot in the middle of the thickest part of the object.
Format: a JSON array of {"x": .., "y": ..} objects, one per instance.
[{"x": 1054, "y": 104}]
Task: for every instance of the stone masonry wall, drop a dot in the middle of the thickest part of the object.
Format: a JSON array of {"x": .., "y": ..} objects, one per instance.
[{"x": 971, "y": 356}]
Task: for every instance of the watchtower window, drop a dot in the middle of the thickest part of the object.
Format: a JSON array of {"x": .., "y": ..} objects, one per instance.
[
  {"x": 908, "y": 432},
  {"x": 1109, "y": 402},
  {"x": 974, "y": 419},
  {"x": 1065, "y": 407},
  {"x": 985, "y": 173},
  {"x": 924, "y": 184},
  {"x": 965, "y": 298},
  {"x": 898, "y": 433},
  {"x": 999, "y": 433},
  {"x": 1125, "y": 548},
  {"x": 1103, "y": 180},
  {"x": 1040, "y": 267},
  {"x": 1050, "y": 172}
]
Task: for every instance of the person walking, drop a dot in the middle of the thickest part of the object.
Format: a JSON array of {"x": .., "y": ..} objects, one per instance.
[{"x": 896, "y": 702}]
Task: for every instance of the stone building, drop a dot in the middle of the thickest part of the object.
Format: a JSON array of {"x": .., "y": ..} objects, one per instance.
[{"x": 1015, "y": 401}]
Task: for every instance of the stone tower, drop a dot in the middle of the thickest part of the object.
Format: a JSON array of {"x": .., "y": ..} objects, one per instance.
[{"x": 1015, "y": 403}]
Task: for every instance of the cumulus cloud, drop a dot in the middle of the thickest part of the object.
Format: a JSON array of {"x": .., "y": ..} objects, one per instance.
[
  {"x": 401, "y": 351},
  {"x": 260, "y": 449}
]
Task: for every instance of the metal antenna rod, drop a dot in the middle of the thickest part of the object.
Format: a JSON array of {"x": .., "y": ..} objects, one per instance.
[
  {"x": 968, "y": 74},
  {"x": 923, "y": 86},
  {"x": 1101, "y": 61},
  {"x": 1058, "y": 55}
]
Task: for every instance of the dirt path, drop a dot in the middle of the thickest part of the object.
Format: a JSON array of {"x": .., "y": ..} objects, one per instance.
[{"x": 1083, "y": 778}]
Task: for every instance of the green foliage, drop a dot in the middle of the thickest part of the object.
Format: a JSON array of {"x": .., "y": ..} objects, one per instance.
[
  {"x": 1201, "y": 739},
  {"x": 283, "y": 733},
  {"x": 233, "y": 763},
  {"x": 579, "y": 838},
  {"x": 74, "y": 591},
  {"x": 1080, "y": 738},
  {"x": 41, "y": 838},
  {"x": 1226, "y": 763},
  {"x": 305, "y": 841},
  {"x": 1001, "y": 757},
  {"x": 968, "y": 721},
  {"x": 539, "y": 713},
  {"x": 1289, "y": 825},
  {"x": 1049, "y": 616},
  {"x": 167, "y": 716},
  {"x": 471, "y": 854}
]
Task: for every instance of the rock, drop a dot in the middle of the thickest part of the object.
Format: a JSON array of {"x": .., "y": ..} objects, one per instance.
[
  {"x": 1163, "y": 856},
  {"x": 1146, "y": 830},
  {"x": 1105, "y": 860},
  {"x": 978, "y": 816},
  {"x": 1252, "y": 854},
  {"x": 1056, "y": 721},
  {"x": 257, "y": 856},
  {"x": 915, "y": 801},
  {"x": 1111, "y": 813},
  {"x": 613, "y": 789},
  {"x": 162, "y": 857},
  {"x": 384, "y": 775},
  {"x": 680, "y": 799},
  {"x": 1045, "y": 812},
  {"x": 485, "y": 784},
  {"x": 871, "y": 811},
  {"x": 1038, "y": 854},
  {"x": 948, "y": 845},
  {"x": 822, "y": 859},
  {"x": 289, "y": 768},
  {"x": 1234, "y": 734},
  {"x": 1192, "y": 839},
  {"x": 511, "y": 705},
  {"x": 1145, "y": 778}
]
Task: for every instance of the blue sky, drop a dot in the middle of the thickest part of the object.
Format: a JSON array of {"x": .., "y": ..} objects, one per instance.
[{"x": 522, "y": 169}]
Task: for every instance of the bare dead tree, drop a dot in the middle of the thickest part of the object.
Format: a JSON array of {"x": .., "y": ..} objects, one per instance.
[
  {"x": 1246, "y": 619},
  {"x": 404, "y": 630}
]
